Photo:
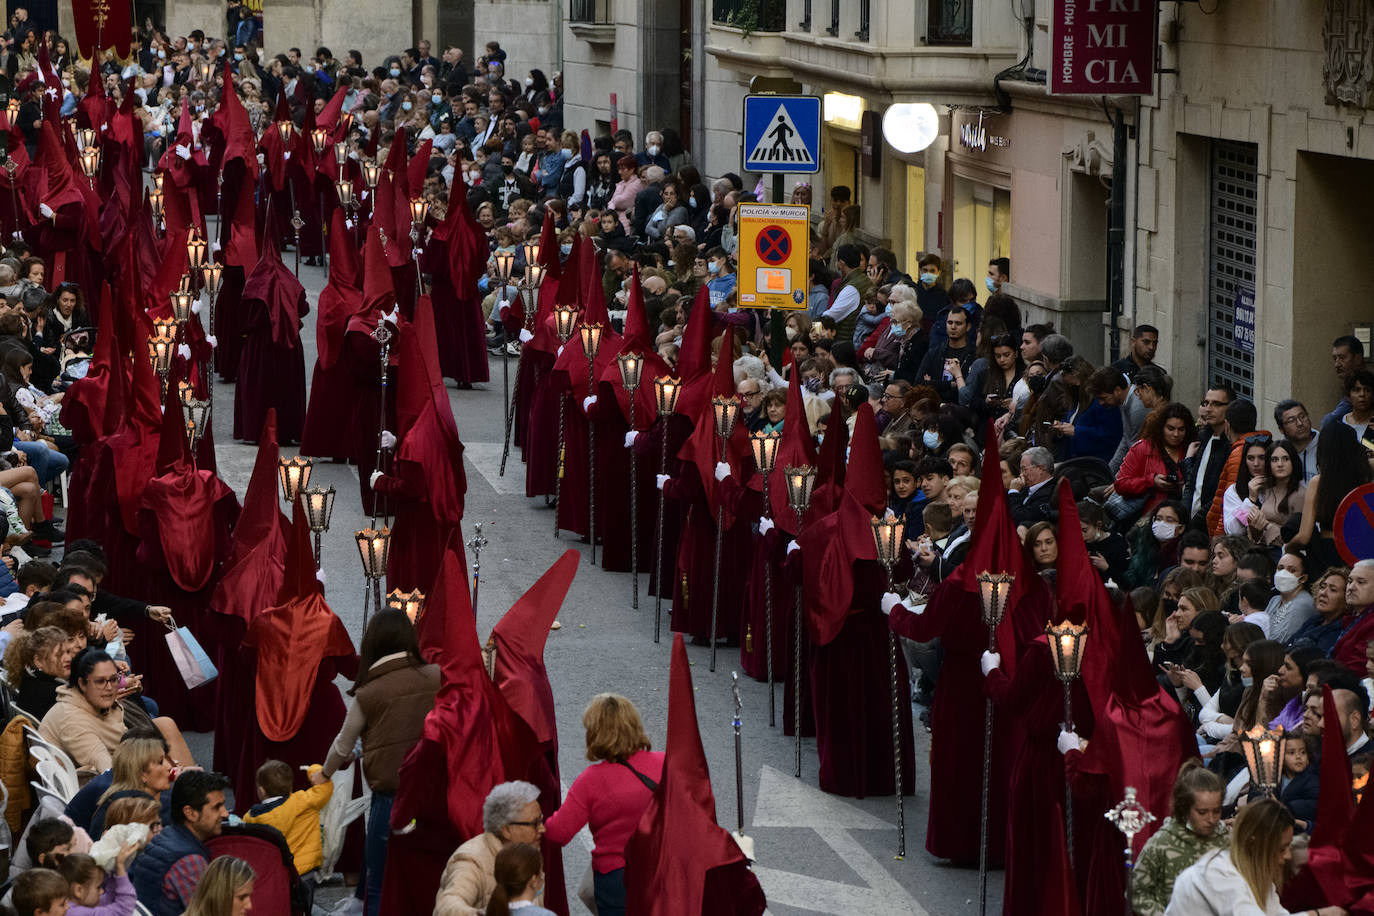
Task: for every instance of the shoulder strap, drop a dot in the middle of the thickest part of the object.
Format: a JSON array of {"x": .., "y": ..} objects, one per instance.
[{"x": 648, "y": 783}]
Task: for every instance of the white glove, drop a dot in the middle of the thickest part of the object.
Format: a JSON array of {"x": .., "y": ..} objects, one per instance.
[
  {"x": 722, "y": 470},
  {"x": 990, "y": 660},
  {"x": 184, "y": 152},
  {"x": 661, "y": 479},
  {"x": 630, "y": 438},
  {"x": 1068, "y": 741},
  {"x": 184, "y": 352},
  {"x": 45, "y": 210},
  {"x": 372, "y": 480},
  {"x": 587, "y": 403},
  {"x": 558, "y": 352},
  {"x": 388, "y": 439},
  {"x": 212, "y": 340},
  {"x": 393, "y": 316},
  {"x": 890, "y": 600},
  {"x": 503, "y": 307},
  {"x": 288, "y": 155},
  {"x": 195, "y": 307},
  {"x": 745, "y": 844},
  {"x": 319, "y": 574},
  {"x": 765, "y": 525},
  {"x": 526, "y": 336},
  {"x": 791, "y": 546}
]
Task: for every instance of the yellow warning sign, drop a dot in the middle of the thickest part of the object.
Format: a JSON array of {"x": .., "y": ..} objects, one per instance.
[{"x": 774, "y": 248}]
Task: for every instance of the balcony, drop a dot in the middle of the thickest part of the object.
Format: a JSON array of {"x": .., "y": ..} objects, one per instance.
[
  {"x": 750, "y": 15},
  {"x": 882, "y": 50},
  {"x": 591, "y": 21}
]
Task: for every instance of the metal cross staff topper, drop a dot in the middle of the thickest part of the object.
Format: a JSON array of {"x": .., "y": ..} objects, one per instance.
[{"x": 476, "y": 543}]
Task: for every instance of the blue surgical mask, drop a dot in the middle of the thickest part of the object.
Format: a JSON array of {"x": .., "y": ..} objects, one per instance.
[
  {"x": 1247, "y": 681},
  {"x": 897, "y": 330},
  {"x": 395, "y": 71},
  {"x": 238, "y": 56},
  {"x": 992, "y": 287},
  {"x": 566, "y": 154},
  {"x": 692, "y": 202},
  {"x": 887, "y": 310},
  {"x": 930, "y": 439},
  {"x": 929, "y": 279},
  {"x": 406, "y": 106},
  {"x": 968, "y": 306},
  {"x": 565, "y": 249},
  {"x": 713, "y": 267}
]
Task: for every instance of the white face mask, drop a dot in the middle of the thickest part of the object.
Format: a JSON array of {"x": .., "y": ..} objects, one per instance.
[
  {"x": 1162, "y": 530},
  {"x": 1285, "y": 581},
  {"x": 653, "y": 149},
  {"x": 529, "y": 81}
]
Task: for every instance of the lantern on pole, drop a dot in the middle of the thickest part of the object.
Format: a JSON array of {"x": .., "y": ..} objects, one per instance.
[
  {"x": 374, "y": 547},
  {"x": 591, "y": 333},
  {"x": 765, "y": 449},
  {"x": 887, "y": 537},
  {"x": 725, "y": 411},
  {"x": 320, "y": 138},
  {"x": 344, "y": 187},
  {"x": 531, "y": 249},
  {"x": 372, "y": 173},
  {"x": 801, "y": 481},
  {"x": 631, "y": 367},
  {"x": 90, "y": 163},
  {"x": 531, "y": 281},
  {"x": 196, "y": 249},
  {"x": 155, "y": 205},
  {"x": 197, "y": 414},
  {"x": 1263, "y": 750},
  {"x": 318, "y": 503},
  {"x": 666, "y": 391},
  {"x": 411, "y": 603},
  {"x": 284, "y": 130},
  {"x": 181, "y": 306},
  {"x": 994, "y": 591},
  {"x": 504, "y": 262},
  {"x": 294, "y": 475},
  {"x": 565, "y": 319},
  {"x": 1066, "y": 648}
]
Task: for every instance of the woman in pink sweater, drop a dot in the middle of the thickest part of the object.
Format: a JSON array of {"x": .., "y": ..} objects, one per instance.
[{"x": 610, "y": 795}]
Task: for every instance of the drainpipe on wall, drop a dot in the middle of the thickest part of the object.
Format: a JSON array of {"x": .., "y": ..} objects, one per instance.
[{"x": 1116, "y": 232}]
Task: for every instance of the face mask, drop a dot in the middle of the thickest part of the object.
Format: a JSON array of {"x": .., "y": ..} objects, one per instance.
[
  {"x": 812, "y": 385},
  {"x": 161, "y": 54},
  {"x": 238, "y": 56},
  {"x": 1285, "y": 581},
  {"x": 395, "y": 71},
  {"x": 992, "y": 287},
  {"x": 507, "y": 167},
  {"x": 714, "y": 267},
  {"x": 406, "y": 106},
  {"x": 653, "y": 149},
  {"x": 968, "y": 307},
  {"x": 887, "y": 310},
  {"x": 1162, "y": 530},
  {"x": 565, "y": 249},
  {"x": 1036, "y": 383},
  {"x": 475, "y": 174},
  {"x": 529, "y": 81},
  {"x": 928, "y": 279},
  {"x": 692, "y": 202},
  {"x": 543, "y": 110},
  {"x": 897, "y": 330},
  {"x": 190, "y": 45},
  {"x": 1169, "y": 604},
  {"x": 566, "y": 154},
  {"x": 426, "y": 81},
  {"x": 930, "y": 439},
  {"x": 1247, "y": 681},
  {"x": 792, "y": 333},
  {"x": 436, "y": 98}
]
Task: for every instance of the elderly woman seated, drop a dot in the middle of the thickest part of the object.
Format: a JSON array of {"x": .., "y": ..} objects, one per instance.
[{"x": 511, "y": 814}]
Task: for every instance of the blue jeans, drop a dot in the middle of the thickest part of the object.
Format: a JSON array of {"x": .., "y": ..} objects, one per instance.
[
  {"x": 610, "y": 892},
  {"x": 46, "y": 463},
  {"x": 378, "y": 832}
]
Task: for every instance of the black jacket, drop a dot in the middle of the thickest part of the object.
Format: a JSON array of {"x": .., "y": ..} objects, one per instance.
[
  {"x": 1036, "y": 507},
  {"x": 1202, "y": 480}
]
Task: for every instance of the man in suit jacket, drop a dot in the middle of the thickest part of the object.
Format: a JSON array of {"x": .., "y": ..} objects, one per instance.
[{"x": 1031, "y": 497}]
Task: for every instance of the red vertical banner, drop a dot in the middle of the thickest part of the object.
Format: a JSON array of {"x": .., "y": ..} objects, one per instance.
[
  {"x": 1102, "y": 47},
  {"x": 102, "y": 24},
  {"x": 615, "y": 116}
]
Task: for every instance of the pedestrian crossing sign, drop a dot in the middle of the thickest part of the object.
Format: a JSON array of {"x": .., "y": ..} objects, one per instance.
[{"x": 782, "y": 133}]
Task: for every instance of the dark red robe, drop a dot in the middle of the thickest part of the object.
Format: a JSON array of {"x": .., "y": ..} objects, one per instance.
[{"x": 272, "y": 370}]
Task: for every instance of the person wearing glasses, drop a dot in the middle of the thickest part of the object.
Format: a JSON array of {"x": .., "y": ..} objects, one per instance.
[
  {"x": 750, "y": 391},
  {"x": 1295, "y": 425},
  {"x": 511, "y": 814},
  {"x": 610, "y": 795},
  {"x": 87, "y": 720}
]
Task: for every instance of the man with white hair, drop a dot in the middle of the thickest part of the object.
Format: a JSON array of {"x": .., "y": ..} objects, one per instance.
[
  {"x": 1359, "y": 597},
  {"x": 1031, "y": 498},
  {"x": 648, "y": 200},
  {"x": 511, "y": 814},
  {"x": 653, "y": 151}
]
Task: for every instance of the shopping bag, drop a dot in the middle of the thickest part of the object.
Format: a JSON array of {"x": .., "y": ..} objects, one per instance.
[{"x": 195, "y": 666}]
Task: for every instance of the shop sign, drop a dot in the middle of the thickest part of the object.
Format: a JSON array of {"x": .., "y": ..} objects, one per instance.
[
  {"x": 1244, "y": 330},
  {"x": 1103, "y": 47},
  {"x": 974, "y": 135}
]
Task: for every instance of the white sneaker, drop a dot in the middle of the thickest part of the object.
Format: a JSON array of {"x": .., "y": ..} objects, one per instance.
[{"x": 352, "y": 906}]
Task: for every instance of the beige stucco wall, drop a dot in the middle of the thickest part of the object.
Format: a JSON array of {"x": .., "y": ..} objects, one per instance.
[
  {"x": 1253, "y": 73},
  {"x": 527, "y": 30}
]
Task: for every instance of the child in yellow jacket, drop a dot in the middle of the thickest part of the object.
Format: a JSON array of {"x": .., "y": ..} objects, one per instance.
[{"x": 295, "y": 814}]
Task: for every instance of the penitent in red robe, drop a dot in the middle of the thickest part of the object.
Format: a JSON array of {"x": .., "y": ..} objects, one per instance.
[
  {"x": 272, "y": 367},
  {"x": 333, "y": 413}
]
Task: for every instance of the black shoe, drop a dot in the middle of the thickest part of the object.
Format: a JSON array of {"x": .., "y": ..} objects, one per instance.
[
  {"x": 47, "y": 531},
  {"x": 35, "y": 551}
]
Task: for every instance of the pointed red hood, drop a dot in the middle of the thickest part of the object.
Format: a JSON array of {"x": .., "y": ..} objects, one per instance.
[
  {"x": 467, "y": 246},
  {"x": 830, "y": 465},
  {"x": 60, "y": 182},
  {"x": 92, "y": 406},
  {"x": 574, "y": 362},
  {"x": 703, "y": 447},
  {"x": 173, "y": 451},
  {"x": 283, "y": 109},
  {"x": 636, "y": 340},
  {"x": 796, "y": 449},
  {"x": 864, "y": 472},
  {"x": 519, "y": 639},
  {"x": 471, "y": 740},
  {"x": 329, "y": 115},
  {"x": 341, "y": 298},
  {"x": 694, "y": 355},
  {"x": 252, "y": 575},
  {"x": 293, "y": 638},
  {"x": 418, "y": 168},
  {"x": 283, "y": 297},
  {"x": 378, "y": 290},
  {"x": 677, "y": 842},
  {"x": 426, "y": 431},
  {"x": 237, "y": 128}
]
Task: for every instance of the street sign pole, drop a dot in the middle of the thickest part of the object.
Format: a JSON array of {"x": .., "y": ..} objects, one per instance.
[{"x": 777, "y": 332}]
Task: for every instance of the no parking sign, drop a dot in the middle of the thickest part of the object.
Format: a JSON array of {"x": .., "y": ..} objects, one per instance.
[
  {"x": 1354, "y": 524},
  {"x": 774, "y": 242}
]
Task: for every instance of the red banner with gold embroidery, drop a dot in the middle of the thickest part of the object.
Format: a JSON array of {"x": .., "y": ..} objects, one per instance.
[{"x": 102, "y": 24}]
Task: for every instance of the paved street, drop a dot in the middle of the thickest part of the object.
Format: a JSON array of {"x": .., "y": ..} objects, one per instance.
[{"x": 817, "y": 853}]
